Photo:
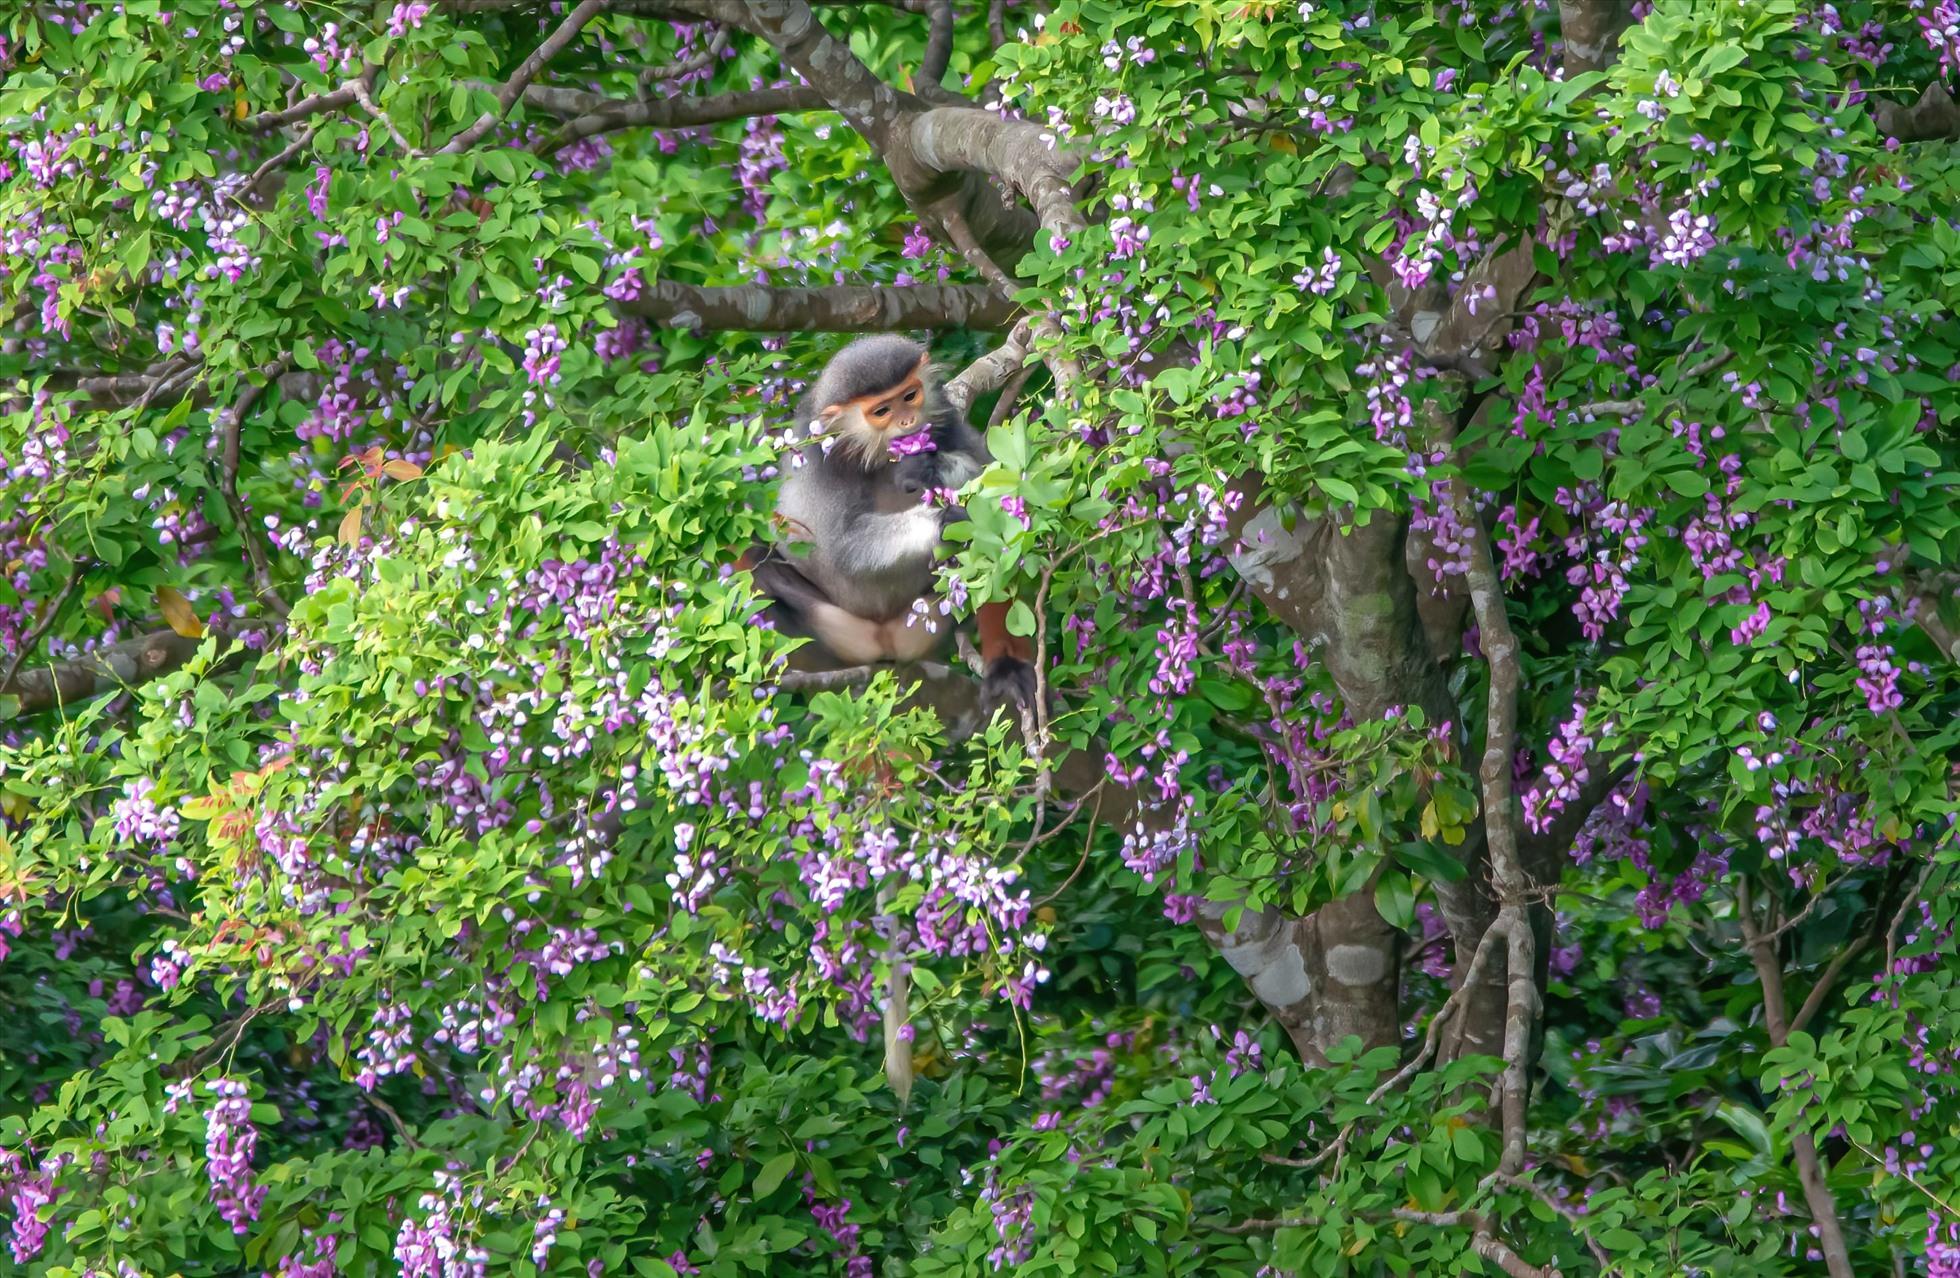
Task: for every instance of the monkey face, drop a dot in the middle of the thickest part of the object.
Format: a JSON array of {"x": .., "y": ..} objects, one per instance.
[{"x": 867, "y": 425}]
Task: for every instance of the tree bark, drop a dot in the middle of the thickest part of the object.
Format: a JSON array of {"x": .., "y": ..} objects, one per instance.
[
  {"x": 841, "y": 308},
  {"x": 127, "y": 664},
  {"x": 1776, "y": 1023}
]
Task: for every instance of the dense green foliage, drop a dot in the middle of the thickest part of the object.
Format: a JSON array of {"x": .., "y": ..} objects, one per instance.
[{"x": 448, "y": 880}]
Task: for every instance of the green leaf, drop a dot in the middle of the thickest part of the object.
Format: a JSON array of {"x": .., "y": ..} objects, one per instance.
[
  {"x": 772, "y": 1174},
  {"x": 1395, "y": 899}
]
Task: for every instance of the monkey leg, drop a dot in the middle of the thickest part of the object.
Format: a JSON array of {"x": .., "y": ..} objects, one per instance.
[
  {"x": 798, "y": 607},
  {"x": 1008, "y": 677}
]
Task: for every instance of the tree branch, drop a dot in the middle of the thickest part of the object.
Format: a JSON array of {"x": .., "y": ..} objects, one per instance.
[
  {"x": 1933, "y": 116},
  {"x": 42, "y": 624},
  {"x": 1500, "y": 820},
  {"x": 1024, "y": 155},
  {"x": 363, "y": 94},
  {"x": 1810, "y": 1168},
  {"x": 837, "y": 308},
  {"x": 1590, "y": 31},
  {"x": 127, "y": 664},
  {"x": 939, "y": 45},
  {"x": 700, "y": 60},
  {"x": 317, "y": 104},
  {"x": 589, "y": 114},
  {"x": 866, "y": 102},
  {"x": 991, "y": 371},
  {"x": 231, "y": 425},
  {"x": 527, "y": 71}
]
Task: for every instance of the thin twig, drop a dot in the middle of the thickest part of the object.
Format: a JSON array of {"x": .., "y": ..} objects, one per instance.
[
  {"x": 32, "y": 639},
  {"x": 960, "y": 231},
  {"x": 365, "y": 97},
  {"x": 1572, "y": 1217},
  {"x": 395, "y": 1120},
  {"x": 1004, "y": 406},
  {"x": 1899, "y": 917},
  {"x": 1479, "y": 960},
  {"x": 1088, "y": 842},
  {"x": 1815, "y": 1000},
  {"x": 527, "y": 71},
  {"x": 233, "y": 421},
  {"x": 650, "y": 76},
  {"x": 278, "y": 161}
]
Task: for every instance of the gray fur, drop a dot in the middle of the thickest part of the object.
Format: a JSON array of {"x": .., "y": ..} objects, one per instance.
[{"x": 872, "y": 540}]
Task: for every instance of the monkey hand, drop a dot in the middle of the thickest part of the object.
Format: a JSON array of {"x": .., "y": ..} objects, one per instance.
[
  {"x": 915, "y": 474},
  {"x": 1008, "y": 682}
]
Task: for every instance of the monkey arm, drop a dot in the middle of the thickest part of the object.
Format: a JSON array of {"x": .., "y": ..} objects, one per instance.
[{"x": 879, "y": 544}]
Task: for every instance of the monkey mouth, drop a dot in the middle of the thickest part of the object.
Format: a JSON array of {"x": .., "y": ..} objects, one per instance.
[{"x": 918, "y": 441}]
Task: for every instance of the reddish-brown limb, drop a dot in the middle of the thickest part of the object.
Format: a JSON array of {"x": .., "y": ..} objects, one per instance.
[{"x": 995, "y": 640}]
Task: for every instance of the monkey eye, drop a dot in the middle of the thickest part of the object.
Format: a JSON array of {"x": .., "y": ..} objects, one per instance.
[
  {"x": 911, "y": 395},
  {"x": 883, "y": 410}
]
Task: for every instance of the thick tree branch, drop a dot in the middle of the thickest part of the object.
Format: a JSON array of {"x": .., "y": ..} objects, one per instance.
[
  {"x": 127, "y": 664},
  {"x": 527, "y": 71},
  {"x": 883, "y": 115},
  {"x": 840, "y": 308},
  {"x": 866, "y": 102},
  {"x": 1025, "y": 155},
  {"x": 589, "y": 114},
  {"x": 939, "y": 45},
  {"x": 991, "y": 371},
  {"x": 1934, "y": 115},
  {"x": 1590, "y": 31}
]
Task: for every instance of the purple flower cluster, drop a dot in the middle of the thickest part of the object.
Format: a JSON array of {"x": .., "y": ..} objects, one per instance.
[
  {"x": 443, "y": 1244},
  {"x": 139, "y": 819},
  {"x": 230, "y": 1140}
]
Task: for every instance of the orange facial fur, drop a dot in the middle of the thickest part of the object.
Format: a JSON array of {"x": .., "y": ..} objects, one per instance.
[{"x": 870, "y": 422}]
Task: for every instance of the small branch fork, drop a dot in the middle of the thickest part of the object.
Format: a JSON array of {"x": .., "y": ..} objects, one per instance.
[{"x": 527, "y": 71}]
